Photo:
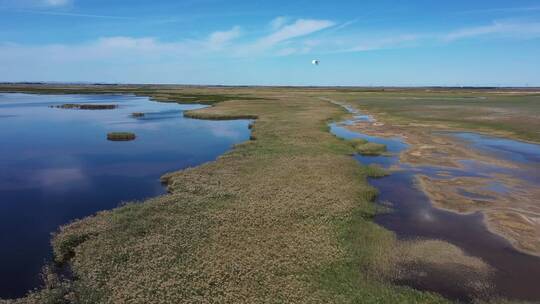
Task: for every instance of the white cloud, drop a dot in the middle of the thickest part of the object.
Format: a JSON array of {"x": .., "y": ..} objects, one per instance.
[
  {"x": 383, "y": 43},
  {"x": 56, "y": 2},
  {"x": 143, "y": 54},
  {"x": 278, "y": 22},
  {"x": 508, "y": 29},
  {"x": 503, "y": 10},
  {"x": 56, "y": 13},
  {"x": 301, "y": 27},
  {"x": 219, "y": 39},
  {"x": 353, "y": 43},
  {"x": 34, "y": 3}
]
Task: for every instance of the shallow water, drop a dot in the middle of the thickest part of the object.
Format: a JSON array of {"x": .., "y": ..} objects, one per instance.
[
  {"x": 517, "y": 151},
  {"x": 413, "y": 215},
  {"x": 56, "y": 165}
]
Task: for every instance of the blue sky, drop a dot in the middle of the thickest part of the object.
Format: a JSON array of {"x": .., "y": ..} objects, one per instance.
[{"x": 251, "y": 42}]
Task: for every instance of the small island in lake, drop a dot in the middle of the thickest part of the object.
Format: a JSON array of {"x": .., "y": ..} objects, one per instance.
[
  {"x": 121, "y": 136},
  {"x": 87, "y": 106}
]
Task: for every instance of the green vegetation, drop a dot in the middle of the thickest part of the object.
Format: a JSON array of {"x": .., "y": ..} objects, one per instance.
[
  {"x": 512, "y": 113},
  {"x": 87, "y": 106},
  {"x": 371, "y": 149},
  {"x": 357, "y": 141},
  {"x": 364, "y": 147},
  {"x": 121, "y": 136},
  {"x": 196, "y": 114},
  {"x": 162, "y": 93},
  {"x": 375, "y": 171}
]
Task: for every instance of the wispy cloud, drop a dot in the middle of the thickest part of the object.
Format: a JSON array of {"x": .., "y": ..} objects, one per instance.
[
  {"x": 219, "y": 43},
  {"x": 507, "y": 29},
  {"x": 503, "y": 10},
  {"x": 346, "y": 24},
  {"x": 362, "y": 42},
  {"x": 56, "y": 2},
  {"x": 382, "y": 43},
  {"x": 279, "y": 40},
  {"x": 286, "y": 39},
  {"x": 34, "y": 3},
  {"x": 219, "y": 39},
  {"x": 301, "y": 27},
  {"x": 68, "y": 14},
  {"x": 278, "y": 22}
]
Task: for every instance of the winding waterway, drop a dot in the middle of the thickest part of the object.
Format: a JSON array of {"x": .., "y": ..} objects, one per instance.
[
  {"x": 413, "y": 216},
  {"x": 56, "y": 165}
]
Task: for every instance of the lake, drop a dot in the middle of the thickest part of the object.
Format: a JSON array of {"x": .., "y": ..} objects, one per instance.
[{"x": 56, "y": 165}]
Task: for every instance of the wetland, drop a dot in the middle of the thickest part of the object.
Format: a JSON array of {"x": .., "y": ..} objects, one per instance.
[
  {"x": 290, "y": 216},
  {"x": 496, "y": 187},
  {"x": 57, "y": 165}
]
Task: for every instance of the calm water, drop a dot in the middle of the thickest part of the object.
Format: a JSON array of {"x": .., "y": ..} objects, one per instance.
[
  {"x": 413, "y": 215},
  {"x": 56, "y": 165}
]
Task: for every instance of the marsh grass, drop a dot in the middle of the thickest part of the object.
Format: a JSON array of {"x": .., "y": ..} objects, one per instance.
[
  {"x": 375, "y": 171},
  {"x": 357, "y": 141},
  {"x": 493, "y": 112},
  {"x": 371, "y": 149},
  {"x": 365, "y": 147},
  {"x": 195, "y": 114}
]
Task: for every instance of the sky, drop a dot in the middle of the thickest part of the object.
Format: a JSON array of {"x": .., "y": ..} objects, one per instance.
[{"x": 255, "y": 42}]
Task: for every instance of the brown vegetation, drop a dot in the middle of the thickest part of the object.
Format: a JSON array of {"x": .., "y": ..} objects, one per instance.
[
  {"x": 121, "y": 136},
  {"x": 87, "y": 106}
]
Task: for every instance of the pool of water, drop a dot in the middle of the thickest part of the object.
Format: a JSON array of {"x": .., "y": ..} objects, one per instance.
[
  {"x": 56, "y": 165},
  {"x": 413, "y": 216}
]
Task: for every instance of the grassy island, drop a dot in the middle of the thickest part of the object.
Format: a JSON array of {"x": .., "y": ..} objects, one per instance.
[
  {"x": 77, "y": 106},
  {"x": 364, "y": 147},
  {"x": 121, "y": 136}
]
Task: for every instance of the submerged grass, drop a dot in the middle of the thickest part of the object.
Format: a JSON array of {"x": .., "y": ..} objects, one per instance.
[{"x": 286, "y": 218}]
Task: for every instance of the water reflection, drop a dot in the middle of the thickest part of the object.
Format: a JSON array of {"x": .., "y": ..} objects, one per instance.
[{"x": 56, "y": 165}]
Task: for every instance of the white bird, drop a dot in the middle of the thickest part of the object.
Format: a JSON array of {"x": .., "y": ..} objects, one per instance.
[{"x": 315, "y": 62}]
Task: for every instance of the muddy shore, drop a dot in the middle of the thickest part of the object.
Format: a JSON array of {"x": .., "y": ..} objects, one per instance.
[{"x": 508, "y": 202}]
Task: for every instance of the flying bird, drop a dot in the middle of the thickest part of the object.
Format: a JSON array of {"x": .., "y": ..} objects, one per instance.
[{"x": 315, "y": 62}]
